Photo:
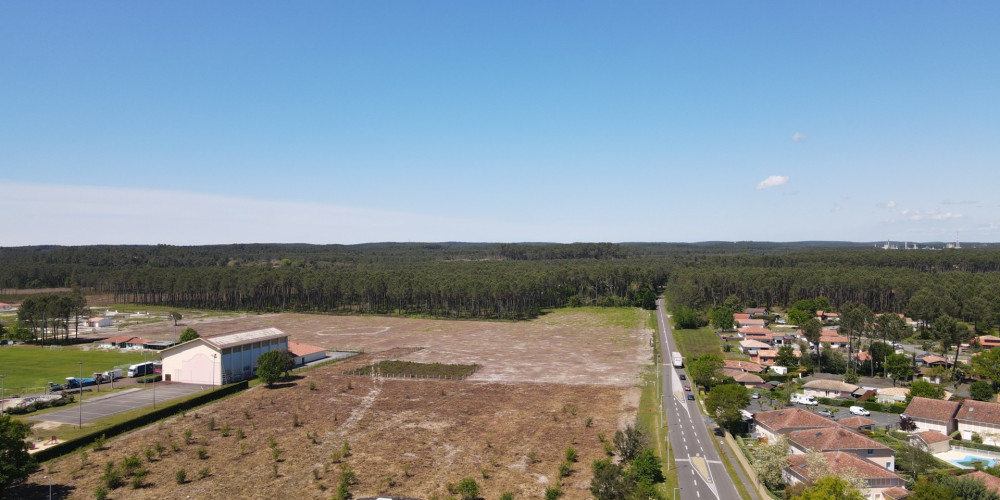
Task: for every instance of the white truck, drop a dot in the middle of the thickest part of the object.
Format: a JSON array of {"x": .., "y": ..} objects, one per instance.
[
  {"x": 804, "y": 399},
  {"x": 678, "y": 360}
]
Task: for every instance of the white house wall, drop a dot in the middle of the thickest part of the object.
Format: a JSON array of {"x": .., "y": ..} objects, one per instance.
[{"x": 193, "y": 364}]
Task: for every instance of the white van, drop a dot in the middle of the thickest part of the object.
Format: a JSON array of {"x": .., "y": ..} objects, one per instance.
[
  {"x": 858, "y": 410},
  {"x": 804, "y": 399}
]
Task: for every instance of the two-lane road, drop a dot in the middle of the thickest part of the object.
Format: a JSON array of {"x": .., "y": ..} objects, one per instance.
[{"x": 700, "y": 473}]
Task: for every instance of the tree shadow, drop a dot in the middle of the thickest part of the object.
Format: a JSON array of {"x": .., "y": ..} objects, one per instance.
[{"x": 31, "y": 491}]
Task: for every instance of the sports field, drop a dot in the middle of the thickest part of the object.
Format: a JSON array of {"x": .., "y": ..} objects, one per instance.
[{"x": 28, "y": 369}]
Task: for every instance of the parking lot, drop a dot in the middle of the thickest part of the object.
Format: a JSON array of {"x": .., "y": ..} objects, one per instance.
[
  {"x": 764, "y": 404},
  {"x": 119, "y": 403}
]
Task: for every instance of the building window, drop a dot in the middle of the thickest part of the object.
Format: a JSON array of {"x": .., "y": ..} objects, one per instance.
[{"x": 871, "y": 452}]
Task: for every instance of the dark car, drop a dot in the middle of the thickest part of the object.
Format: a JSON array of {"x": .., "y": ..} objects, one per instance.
[
  {"x": 683, "y": 377},
  {"x": 690, "y": 397}
]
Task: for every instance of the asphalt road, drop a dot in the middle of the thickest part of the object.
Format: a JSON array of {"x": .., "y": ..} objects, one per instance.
[
  {"x": 93, "y": 409},
  {"x": 689, "y": 434}
]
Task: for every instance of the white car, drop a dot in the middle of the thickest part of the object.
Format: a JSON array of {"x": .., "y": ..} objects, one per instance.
[{"x": 857, "y": 410}]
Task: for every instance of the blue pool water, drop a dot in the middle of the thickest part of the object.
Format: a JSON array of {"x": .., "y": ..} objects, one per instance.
[{"x": 970, "y": 460}]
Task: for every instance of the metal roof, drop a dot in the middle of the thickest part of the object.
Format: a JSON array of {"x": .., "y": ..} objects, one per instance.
[{"x": 239, "y": 338}]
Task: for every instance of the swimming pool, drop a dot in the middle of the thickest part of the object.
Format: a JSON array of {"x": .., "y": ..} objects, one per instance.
[{"x": 969, "y": 462}]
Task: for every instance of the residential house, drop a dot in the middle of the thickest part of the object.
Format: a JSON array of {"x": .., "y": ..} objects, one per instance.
[
  {"x": 305, "y": 353},
  {"x": 757, "y": 333},
  {"x": 841, "y": 439},
  {"x": 858, "y": 423},
  {"x": 878, "y": 479},
  {"x": 889, "y": 395},
  {"x": 992, "y": 482},
  {"x": 115, "y": 342},
  {"x": 137, "y": 343},
  {"x": 737, "y": 317},
  {"x": 987, "y": 342},
  {"x": 755, "y": 312},
  {"x": 834, "y": 340},
  {"x": 5, "y": 306},
  {"x": 742, "y": 377},
  {"x": 752, "y": 346},
  {"x": 768, "y": 424},
  {"x": 751, "y": 322},
  {"x": 828, "y": 388},
  {"x": 933, "y": 415},
  {"x": 746, "y": 366},
  {"x": 979, "y": 417},
  {"x": 766, "y": 357},
  {"x": 824, "y": 316},
  {"x": 930, "y": 360},
  {"x": 932, "y": 441}
]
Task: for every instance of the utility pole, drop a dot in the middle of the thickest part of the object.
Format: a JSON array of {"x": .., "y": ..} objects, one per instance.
[{"x": 79, "y": 386}]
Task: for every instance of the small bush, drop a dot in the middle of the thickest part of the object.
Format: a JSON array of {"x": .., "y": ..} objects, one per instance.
[
  {"x": 571, "y": 454},
  {"x": 468, "y": 488},
  {"x": 564, "y": 468},
  {"x": 130, "y": 464},
  {"x": 211, "y": 424},
  {"x": 346, "y": 450},
  {"x": 100, "y": 442},
  {"x": 187, "y": 436},
  {"x": 202, "y": 453},
  {"x": 113, "y": 478},
  {"x": 174, "y": 446},
  {"x": 204, "y": 472},
  {"x": 246, "y": 414},
  {"x": 295, "y": 420},
  {"x": 137, "y": 482},
  {"x": 150, "y": 454},
  {"x": 507, "y": 496},
  {"x": 271, "y": 442},
  {"x": 312, "y": 386},
  {"x": 225, "y": 429},
  {"x": 552, "y": 493},
  {"x": 101, "y": 493},
  {"x": 275, "y": 453},
  {"x": 589, "y": 423},
  {"x": 181, "y": 476},
  {"x": 239, "y": 434}
]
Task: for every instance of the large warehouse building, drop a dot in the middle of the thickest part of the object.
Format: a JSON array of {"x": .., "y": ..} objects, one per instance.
[{"x": 221, "y": 359}]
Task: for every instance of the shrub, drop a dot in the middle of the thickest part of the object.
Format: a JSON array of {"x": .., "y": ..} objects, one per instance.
[
  {"x": 312, "y": 386},
  {"x": 137, "y": 482},
  {"x": 239, "y": 434},
  {"x": 564, "y": 468},
  {"x": 211, "y": 424},
  {"x": 507, "y": 496},
  {"x": 100, "y": 442},
  {"x": 468, "y": 488},
  {"x": 295, "y": 420},
  {"x": 112, "y": 477},
  {"x": 202, "y": 453},
  {"x": 872, "y": 406},
  {"x": 181, "y": 476},
  {"x": 225, "y": 429},
  {"x": 101, "y": 493},
  {"x": 204, "y": 472},
  {"x": 552, "y": 493},
  {"x": 571, "y": 454},
  {"x": 976, "y": 438},
  {"x": 589, "y": 422},
  {"x": 187, "y": 436},
  {"x": 174, "y": 446},
  {"x": 271, "y": 442}
]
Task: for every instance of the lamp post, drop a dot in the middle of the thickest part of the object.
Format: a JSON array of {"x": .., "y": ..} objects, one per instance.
[
  {"x": 154, "y": 389},
  {"x": 3, "y": 401},
  {"x": 80, "y": 387},
  {"x": 675, "y": 493}
]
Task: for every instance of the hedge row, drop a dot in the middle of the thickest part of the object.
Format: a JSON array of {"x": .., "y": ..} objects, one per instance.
[
  {"x": 896, "y": 408},
  {"x": 68, "y": 447},
  {"x": 974, "y": 445},
  {"x": 39, "y": 405}
]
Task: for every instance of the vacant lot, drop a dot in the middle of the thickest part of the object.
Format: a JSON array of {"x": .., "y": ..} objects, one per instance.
[
  {"x": 573, "y": 346},
  {"x": 565, "y": 379}
]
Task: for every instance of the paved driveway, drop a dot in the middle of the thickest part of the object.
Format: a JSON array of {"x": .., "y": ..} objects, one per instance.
[{"x": 119, "y": 403}]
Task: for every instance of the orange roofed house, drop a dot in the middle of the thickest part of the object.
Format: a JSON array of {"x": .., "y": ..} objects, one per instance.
[
  {"x": 305, "y": 353},
  {"x": 841, "y": 439},
  {"x": 932, "y": 415},
  {"x": 877, "y": 479},
  {"x": 768, "y": 424}
]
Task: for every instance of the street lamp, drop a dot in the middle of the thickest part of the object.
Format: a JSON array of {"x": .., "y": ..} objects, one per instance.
[
  {"x": 2, "y": 400},
  {"x": 79, "y": 385},
  {"x": 154, "y": 389},
  {"x": 675, "y": 493}
]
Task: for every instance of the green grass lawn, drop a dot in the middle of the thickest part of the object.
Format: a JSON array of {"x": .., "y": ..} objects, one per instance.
[
  {"x": 28, "y": 369},
  {"x": 697, "y": 342}
]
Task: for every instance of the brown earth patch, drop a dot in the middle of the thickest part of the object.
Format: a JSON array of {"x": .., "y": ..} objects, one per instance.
[{"x": 423, "y": 434}]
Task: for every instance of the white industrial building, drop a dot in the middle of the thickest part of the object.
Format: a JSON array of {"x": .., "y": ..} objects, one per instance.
[{"x": 220, "y": 359}]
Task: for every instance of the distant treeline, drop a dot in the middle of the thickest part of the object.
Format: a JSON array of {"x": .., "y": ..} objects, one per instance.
[{"x": 509, "y": 281}]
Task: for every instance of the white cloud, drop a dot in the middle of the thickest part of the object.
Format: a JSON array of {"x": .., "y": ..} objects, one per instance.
[
  {"x": 798, "y": 137},
  {"x": 836, "y": 208},
  {"x": 773, "y": 181},
  {"x": 946, "y": 216},
  {"x": 891, "y": 204}
]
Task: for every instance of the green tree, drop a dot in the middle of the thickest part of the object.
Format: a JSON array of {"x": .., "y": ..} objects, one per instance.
[
  {"x": 628, "y": 443},
  {"x": 610, "y": 481},
  {"x": 812, "y": 329},
  {"x": 925, "y": 389},
  {"x": 687, "y": 318},
  {"x": 175, "y": 317},
  {"x": 272, "y": 365},
  {"x": 646, "y": 467},
  {"x": 833, "y": 360},
  {"x": 15, "y": 462},
  {"x": 188, "y": 334},
  {"x": 770, "y": 460},
  {"x": 786, "y": 357},
  {"x": 798, "y": 316},
  {"x": 899, "y": 367},
  {"x": 722, "y": 318},
  {"x": 704, "y": 369},
  {"x": 967, "y": 488},
  {"x": 950, "y": 333},
  {"x": 830, "y": 488},
  {"x": 468, "y": 488},
  {"x": 927, "y": 490},
  {"x": 725, "y": 401},
  {"x": 982, "y": 391},
  {"x": 987, "y": 365}
]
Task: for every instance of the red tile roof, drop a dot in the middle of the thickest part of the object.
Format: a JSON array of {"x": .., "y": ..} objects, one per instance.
[
  {"x": 137, "y": 340},
  {"x": 739, "y": 316},
  {"x": 895, "y": 493},
  {"x": 856, "y": 422},
  {"x": 754, "y": 330},
  {"x": 992, "y": 482},
  {"x": 831, "y": 339},
  {"x": 839, "y": 461},
  {"x": 931, "y": 437},
  {"x": 741, "y": 376},
  {"x": 303, "y": 349},
  {"x": 791, "y": 418},
  {"x": 747, "y": 366},
  {"x": 931, "y": 409},
  {"x": 119, "y": 339},
  {"x": 979, "y": 412},
  {"x": 833, "y": 438}
]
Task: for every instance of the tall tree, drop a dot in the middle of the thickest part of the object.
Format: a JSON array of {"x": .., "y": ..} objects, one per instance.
[
  {"x": 950, "y": 333},
  {"x": 724, "y": 402},
  {"x": 705, "y": 369},
  {"x": 812, "y": 329},
  {"x": 987, "y": 365},
  {"x": 899, "y": 366},
  {"x": 15, "y": 462}
]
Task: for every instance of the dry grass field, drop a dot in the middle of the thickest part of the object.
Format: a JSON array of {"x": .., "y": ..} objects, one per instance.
[{"x": 558, "y": 381}]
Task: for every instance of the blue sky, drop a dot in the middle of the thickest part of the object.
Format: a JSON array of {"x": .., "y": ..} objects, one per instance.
[{"x": 346, "y": 122}]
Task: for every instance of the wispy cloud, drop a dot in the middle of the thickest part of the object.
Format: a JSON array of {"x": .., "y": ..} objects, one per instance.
[
  {"x": 773, "y": 181},
  {"x": 945, "y": 216},
  {"x": 891, "y": 204},
  {"x": 798, "y": 137},
  {"x": 836, "y": 208}
]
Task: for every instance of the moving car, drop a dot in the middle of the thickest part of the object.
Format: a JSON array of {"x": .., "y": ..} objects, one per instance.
[
  {"x": 858, "y": 410},
  {"x": 683, "y": 377},
  {"x": 690, "y": 397},
  {"x": 687, "y": 387}
]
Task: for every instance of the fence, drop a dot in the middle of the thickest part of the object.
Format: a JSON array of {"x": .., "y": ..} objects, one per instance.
[{"x": 68, "y": 447}]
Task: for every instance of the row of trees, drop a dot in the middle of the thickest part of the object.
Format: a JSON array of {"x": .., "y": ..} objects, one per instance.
[{"x": 44, "y": 316}]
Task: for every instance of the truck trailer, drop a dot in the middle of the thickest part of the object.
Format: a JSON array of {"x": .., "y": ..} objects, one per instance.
[{"x": 678, "y": 360}]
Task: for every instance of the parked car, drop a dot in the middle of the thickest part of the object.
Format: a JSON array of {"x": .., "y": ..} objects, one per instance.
[
  {"x": 683, "y": 377},
  {"x": 690, "y": 397},
  {"x": 858, "y": 410},
  {"x": 825, "y": 413},
  {"x": 755, "y": 395}
]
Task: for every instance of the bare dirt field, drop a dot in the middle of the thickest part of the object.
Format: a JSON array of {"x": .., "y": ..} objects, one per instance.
[{"x": 507, "y": 427}]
